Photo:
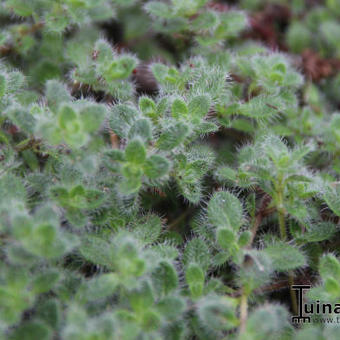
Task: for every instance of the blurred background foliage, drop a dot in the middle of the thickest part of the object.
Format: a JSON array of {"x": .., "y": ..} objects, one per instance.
[{"x": 168, "y": 169}]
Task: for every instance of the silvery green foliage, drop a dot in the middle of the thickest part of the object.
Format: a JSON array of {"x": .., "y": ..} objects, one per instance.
[{"x": 162, "y": 211}]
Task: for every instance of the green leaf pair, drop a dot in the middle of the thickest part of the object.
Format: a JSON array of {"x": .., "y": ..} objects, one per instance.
[{"x": 135, "y": 163}]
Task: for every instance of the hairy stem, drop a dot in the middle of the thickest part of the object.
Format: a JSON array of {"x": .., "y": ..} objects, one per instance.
[
  {"x": 283, "y": 235},
  {"x": 292, "y": 292},
  {"x": 243, "y": 312}
]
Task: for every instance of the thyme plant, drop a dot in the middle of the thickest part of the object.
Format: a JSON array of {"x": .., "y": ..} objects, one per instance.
[{"x": 163, "y": 174}]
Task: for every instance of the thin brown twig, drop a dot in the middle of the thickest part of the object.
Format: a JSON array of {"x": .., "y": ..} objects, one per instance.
[
  {"x": 114, "y": 140},
  {"x": 262, "y": 212},
  {"x": 179, "y": 219},
  {"x": 283, "y": 284}
]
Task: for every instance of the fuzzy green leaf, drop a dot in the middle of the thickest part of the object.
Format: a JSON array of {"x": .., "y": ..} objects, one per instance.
[
  {"x": 45, "y": 281},
  {"x": 225, "y": 237},
  {"x": 135, "y": 152},
  {"x": 332, "y": 198},
  {"x": 225, "y": 210},
  {"x": 141, "y": 128},
  {"x": 173, "y": 136},
  {"x": 199, "y": 107},
  {"x": 165, "y": 278},
  {"x": 197, "y": 251},
  {"x": 149, "y": 231},
  {"x": 285, "y": 257},
  {"x": 2, "y": 85},
  {"x": 147, "y": 106},
  {"x": 156, "y": 167},
  {"x": 329, "y": 267},
  {"x": 266, "y": 321},
  {"x": 92, "y": 117},
  {"x": 56, "y": 93},
  {"x": 179, "y": 109},
  {"x": 32, "y": 330},
  {"x": 194, "y": 276}
]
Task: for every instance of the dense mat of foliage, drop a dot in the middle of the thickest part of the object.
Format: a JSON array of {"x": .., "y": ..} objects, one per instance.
[{"x": 168, "y": 169}]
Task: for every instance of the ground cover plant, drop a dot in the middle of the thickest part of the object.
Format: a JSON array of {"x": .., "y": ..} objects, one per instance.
[{"x": 168, "y": 169}]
